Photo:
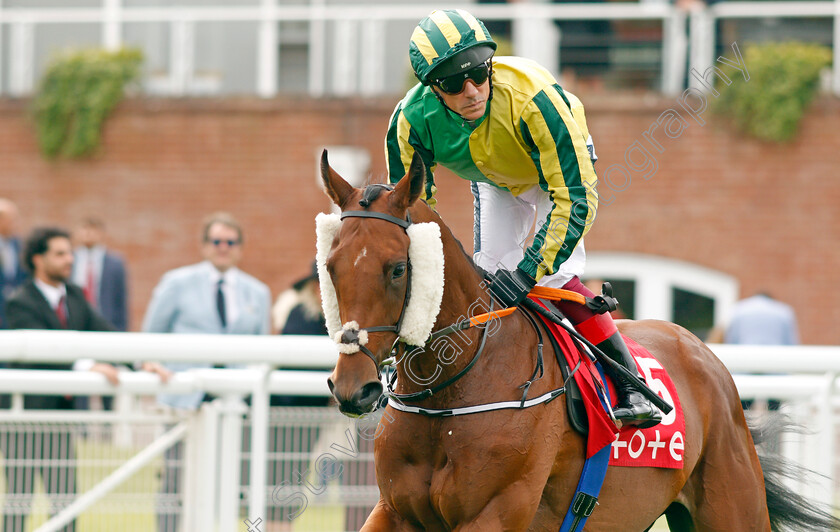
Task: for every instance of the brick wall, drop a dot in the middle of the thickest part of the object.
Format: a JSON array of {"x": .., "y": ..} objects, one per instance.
[{"x": 766, "y": 214}]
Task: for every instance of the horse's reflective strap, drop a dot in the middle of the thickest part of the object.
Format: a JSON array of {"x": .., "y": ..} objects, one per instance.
[{"x": 545, "y": 398}]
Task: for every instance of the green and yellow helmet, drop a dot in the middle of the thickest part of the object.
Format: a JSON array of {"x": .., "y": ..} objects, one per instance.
[{"x": 447, "y": 42}]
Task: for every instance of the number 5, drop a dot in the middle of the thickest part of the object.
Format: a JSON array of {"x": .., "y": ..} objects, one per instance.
[{"x": 646, "y": 364}]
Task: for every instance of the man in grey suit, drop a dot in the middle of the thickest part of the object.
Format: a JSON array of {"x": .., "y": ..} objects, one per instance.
[
  {"x": 212, "y": 297},
  {"x": 100, "y": 273}
]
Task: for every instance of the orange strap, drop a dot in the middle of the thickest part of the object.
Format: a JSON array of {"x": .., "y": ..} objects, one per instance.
[
  {"x": 557, "y": 294},
  {"x": 487, "y": 316}
]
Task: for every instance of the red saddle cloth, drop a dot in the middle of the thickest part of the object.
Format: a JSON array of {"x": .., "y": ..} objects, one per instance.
[{"x": 659, "y": 446}]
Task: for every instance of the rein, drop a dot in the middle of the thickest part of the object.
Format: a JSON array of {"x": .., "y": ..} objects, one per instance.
[
  {"x": 428, "y": 392},
  {"x": 395, "y": 400}
]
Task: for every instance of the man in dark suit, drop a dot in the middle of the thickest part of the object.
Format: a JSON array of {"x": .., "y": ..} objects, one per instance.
[
  {"x": 11, "y": 272},
  {"x": 100, "y": 273},
  {"x": 47, "y": 301}
]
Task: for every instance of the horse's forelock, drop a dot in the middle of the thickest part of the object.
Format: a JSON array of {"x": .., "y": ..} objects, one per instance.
[{"x": 372, "y": 192}]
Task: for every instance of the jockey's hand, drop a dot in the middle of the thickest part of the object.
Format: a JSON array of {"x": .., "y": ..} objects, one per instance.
[{"x": 511, "y": 287}]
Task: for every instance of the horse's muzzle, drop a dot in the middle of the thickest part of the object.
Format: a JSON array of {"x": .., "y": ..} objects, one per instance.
[{"x": 359, "y": 402}]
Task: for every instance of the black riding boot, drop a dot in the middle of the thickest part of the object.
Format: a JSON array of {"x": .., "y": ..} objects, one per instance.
[{"x": 632, "y": 408}]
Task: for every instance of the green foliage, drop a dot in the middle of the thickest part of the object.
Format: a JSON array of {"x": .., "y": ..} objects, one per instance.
[
  {"x": 783, "y": 80},
  {"x": 76, "y": 95}
]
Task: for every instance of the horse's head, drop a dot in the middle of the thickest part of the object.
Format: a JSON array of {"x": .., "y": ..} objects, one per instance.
[{"x": 381, "y": 278}]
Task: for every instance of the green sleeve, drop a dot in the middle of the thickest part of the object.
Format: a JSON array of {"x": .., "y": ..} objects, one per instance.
[{"x": 400, "y": 144}]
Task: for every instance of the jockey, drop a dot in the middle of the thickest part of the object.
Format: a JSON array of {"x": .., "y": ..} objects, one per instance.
[{"x": 504, "y": 124}]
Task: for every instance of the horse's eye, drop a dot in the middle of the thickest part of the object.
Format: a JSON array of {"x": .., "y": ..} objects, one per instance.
[{"x": 399, "y": 271}]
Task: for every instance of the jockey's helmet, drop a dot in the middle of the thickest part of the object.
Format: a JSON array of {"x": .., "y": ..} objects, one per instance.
[{"x": 448, "y": 42}]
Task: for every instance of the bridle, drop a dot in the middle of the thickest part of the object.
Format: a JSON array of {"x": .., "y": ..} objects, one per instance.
[{"x": 351, "y": 336}]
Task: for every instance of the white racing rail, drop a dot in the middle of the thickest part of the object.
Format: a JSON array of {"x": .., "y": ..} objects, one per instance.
[
  {"x": 224, "y": 417},
  {"x": 803, "y": 376}
]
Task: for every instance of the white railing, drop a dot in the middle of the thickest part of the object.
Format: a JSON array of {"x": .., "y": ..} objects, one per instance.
[
  {"x": 809, "y": 385},
  {"x": 231, "y": 385},
  {"x": 363, "y": 27},
  {"x": 703, "y": 24}
]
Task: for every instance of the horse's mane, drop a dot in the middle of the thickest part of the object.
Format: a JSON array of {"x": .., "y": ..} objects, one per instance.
[
  {"x": 475, "y": 266},
  {"x": 478, "y": 269}
]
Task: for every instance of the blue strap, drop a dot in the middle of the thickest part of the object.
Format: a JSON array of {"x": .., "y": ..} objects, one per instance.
[{"x": 589, "y": 485}]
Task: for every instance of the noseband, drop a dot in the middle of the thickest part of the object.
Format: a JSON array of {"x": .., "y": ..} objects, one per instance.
[{"x": 351, "y": 336}]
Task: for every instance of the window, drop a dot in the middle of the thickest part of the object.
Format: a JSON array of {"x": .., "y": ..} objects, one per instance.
[
  {"x": 693, "y": 311},
  {"x": 651, "y": 287}
]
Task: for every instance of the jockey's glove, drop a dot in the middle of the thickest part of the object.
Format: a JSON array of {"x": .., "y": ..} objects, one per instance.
[{"x": 511, "y": 288}]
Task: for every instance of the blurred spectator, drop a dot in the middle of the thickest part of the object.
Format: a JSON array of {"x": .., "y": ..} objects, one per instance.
[
  {"x": 210, "y": 297},
  {"x": 762, "y": 320},
  {"x": 100, "y": 273},
  {"x": 715, "y": 336},
  {"x": 298, "y": 309},
  {"x": 47, "y": 301},
  {"x": 689, "y": 5},
  {"x": 12, "y": 273}
]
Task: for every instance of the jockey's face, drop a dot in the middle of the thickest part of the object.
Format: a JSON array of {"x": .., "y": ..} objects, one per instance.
[{"x": 469, "y": 103}]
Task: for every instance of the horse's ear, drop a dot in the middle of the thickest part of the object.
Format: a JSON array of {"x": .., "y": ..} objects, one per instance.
[
  {"x": 411, "y": 186},
  {"x": 337, "y": 188}
]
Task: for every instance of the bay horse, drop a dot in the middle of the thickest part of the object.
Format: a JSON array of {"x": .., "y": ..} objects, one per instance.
[{"x": 508, "y": 469}]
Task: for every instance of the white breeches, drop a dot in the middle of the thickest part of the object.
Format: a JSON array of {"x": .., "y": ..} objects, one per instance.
[{"x": 503, "y": 224}]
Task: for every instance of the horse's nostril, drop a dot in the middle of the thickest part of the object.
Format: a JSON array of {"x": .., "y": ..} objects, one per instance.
[
  {"x": 368, "y": 394},
  {"x": 331, "y": 385}
]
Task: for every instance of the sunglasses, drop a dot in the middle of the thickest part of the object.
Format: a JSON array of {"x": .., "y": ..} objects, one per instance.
[
  {"x": 454, "y": 84},
  {"x": 218, "y": 242}
]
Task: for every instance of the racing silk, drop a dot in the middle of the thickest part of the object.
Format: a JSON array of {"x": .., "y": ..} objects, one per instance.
[{"x": 536, "y": 135}]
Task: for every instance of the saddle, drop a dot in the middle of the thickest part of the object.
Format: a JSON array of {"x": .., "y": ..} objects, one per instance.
[
  {"x": 659, "y": 446},
  {"x": 575, "y": 408}
]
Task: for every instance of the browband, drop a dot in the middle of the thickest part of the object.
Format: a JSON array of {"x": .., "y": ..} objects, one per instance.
[{"x": 380, "y": 216}]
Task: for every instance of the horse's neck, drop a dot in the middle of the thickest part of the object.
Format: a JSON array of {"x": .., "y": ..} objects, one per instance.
[
  {"x": 464, "y": 293},
  {"x": 464, "y": 296}
]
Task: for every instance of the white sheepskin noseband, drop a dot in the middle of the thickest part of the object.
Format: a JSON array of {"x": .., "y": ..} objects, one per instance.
[{"x": 425, "y": 252}]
